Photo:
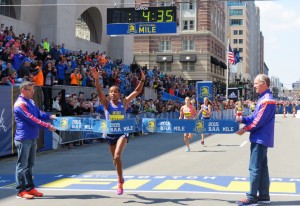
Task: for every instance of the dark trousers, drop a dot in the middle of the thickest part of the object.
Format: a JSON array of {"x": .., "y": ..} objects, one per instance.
[{"x": 48, "y": 98}]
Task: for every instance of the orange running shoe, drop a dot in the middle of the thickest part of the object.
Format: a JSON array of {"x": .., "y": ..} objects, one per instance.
[
  {"x": 25, "y": 195},
  {"x": 35, "y": 193}
]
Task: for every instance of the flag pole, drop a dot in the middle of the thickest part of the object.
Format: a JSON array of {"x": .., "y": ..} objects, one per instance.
[{"x": 227, "y": 75}]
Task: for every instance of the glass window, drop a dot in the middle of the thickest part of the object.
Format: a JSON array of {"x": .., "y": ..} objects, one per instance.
[
  {"x": 165, "y": 66},
  {"x": 241, "y": 41},
  {"x": 164, "y": 45},
  {"x": 236, "y": 22},
  {"x": 235, "y": 32},
  {"x": 240, "y": 32},
  {"x": 188, "y": 66},
  {"x": 7, "y": 10},
  {"x": 188, "y": 45},
  {"x": 235, "y": 41},
  {"x": 236, "y": 12},
  {"x": 188, "y": 25}
]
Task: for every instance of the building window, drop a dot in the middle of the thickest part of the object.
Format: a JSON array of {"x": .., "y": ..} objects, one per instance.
[
  {"x": 241, "y": 50},
  {"x": 188, "y": 66},
  {"x": 235, "y": 41},
  {"x": 188, "y": 6},
  {"x": 241, "y": 41},
  {"x": 164, "y": 3},
  {"x": 240, "y": 32},
  {"x": 188, "y": 45},
  {"x": 165, "y": 66},
  {"x": 236, "y": 22},
  {"x": 85, "y": 28},
  {"x": 236, "y": 12},
  {"x": 235, "y": 32},
  {"x": 7, "y": 10},
  {"x": 165, "y": 46},
  {"x": 188, "y": 25}
]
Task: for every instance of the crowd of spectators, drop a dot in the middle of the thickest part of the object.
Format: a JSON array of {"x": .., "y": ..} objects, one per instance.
[{"x": 47, "y": 64}]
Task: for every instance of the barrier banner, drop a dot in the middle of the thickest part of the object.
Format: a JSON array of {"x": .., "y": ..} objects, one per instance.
[
  {"x": 6, "y": 118},
  {"x": 94, "y": 125},
  {"x": 189, "y": 126}
]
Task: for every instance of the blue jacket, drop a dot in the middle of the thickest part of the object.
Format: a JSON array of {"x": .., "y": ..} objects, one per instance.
[
  {"x": 28, "y": 119},
  {"x": 261, "y": 123}
]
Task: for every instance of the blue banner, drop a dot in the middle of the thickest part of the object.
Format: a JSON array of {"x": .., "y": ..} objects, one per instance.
[
  {"x": 166, "y": 96},
  {"x": 204, "y": 89},
  {"x": 189, "y": 126},
  {"x": 94, "y": 125},
  {"x": 6, "y": 133},
  {"x": 141, "y": 28}
]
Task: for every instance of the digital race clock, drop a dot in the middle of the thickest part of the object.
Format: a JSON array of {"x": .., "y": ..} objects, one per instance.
[{"x": 141, "y": 20}]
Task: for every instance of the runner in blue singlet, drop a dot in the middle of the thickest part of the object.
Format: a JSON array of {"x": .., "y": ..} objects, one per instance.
[{"x": 115, "y": 110}]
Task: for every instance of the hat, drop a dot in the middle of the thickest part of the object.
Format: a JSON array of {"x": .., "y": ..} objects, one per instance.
[{"x": 27, "y": 60}]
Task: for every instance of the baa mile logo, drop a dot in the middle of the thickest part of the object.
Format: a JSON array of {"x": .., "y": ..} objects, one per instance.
[
  {"x": 2, "y": 121},
  {"x": 204, "y": 91},
  {"x": 151, "y": 125},
  {"x": 131, "y": 29},
  {"x": 103, "y": 126},
  {"x": 64, "y": 124},
  {"x": 199, "y": 126}
]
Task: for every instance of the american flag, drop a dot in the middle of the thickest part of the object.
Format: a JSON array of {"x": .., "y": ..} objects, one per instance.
[{"x": 230, "y": 55}]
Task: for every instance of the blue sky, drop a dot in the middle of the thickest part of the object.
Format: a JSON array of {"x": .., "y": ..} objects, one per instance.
[{"x": 280, "y": 25}]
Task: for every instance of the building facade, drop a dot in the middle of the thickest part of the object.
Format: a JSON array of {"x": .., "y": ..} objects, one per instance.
[
  {"x": 246, "y": 37},
  {"x": 197, "y": 51}
]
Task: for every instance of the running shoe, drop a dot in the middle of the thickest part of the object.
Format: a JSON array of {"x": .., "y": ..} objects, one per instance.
[
  {"x": 187, "y": 149},
  {"x": 246, "y": 201},
  {"x": 35, "y": 193},
  {"x": 25, "y": 195},
  {"x": 120, "y": 188},
  {"x": 263, "y": 200},
  {"x": 202, "y": 142}
]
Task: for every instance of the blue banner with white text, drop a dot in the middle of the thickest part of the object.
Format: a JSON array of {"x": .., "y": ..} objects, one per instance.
[
  {"x": 189, "y": 126},
  {"x": 6, "y": 133},
  {"x": 94, "y": 125}
]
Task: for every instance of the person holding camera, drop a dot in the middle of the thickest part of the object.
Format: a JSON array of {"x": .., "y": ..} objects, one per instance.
[{"x": 75, "y": 77}]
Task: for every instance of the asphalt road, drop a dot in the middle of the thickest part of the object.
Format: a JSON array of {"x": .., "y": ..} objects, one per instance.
[{"x": 158, "y": 171}]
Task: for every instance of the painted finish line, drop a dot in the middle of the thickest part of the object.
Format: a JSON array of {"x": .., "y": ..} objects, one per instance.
[{"x": 228, "y": 184}]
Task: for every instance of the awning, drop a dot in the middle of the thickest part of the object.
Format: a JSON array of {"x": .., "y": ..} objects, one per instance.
[
  {"x": 188, "y": 58},
  {"x": 164, "y": 58}
]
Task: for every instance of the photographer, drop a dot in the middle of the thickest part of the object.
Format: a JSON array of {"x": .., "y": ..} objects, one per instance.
[{"x": 75, "y": 77}]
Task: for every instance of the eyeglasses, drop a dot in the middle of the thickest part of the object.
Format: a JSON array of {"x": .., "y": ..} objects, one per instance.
[{"x": 32, "y": 90}]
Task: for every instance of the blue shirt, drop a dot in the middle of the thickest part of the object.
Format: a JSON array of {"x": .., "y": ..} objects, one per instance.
[
  {"x": 28, "y": 119},
  {"x": 262, "y": 121}
]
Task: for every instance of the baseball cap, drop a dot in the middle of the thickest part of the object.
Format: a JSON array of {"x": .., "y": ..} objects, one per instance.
[{"x": 27, "y": 60}]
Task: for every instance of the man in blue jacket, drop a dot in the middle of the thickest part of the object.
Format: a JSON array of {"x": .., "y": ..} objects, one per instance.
[
  {"x": 28, "y": 120},
  {"x": 260, "y": 124}
]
